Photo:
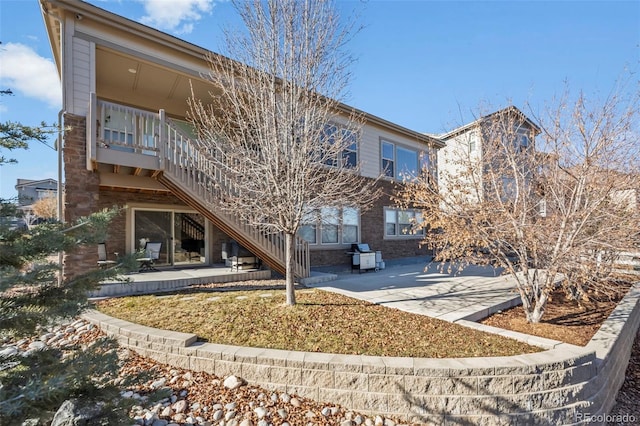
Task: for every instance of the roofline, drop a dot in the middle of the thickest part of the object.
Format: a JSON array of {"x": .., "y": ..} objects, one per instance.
[
  {"x": 421, "y": 137},
  {"x": 464, "y": 128},
  {"x": 32, "y": 182},
  {"x": 175, "y": 43}
]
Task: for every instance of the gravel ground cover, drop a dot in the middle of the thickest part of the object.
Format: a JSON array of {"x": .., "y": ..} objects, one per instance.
[{"x": 197, "y": 398}]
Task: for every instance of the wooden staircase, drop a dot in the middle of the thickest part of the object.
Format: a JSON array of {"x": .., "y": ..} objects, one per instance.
[{"x": 192, "y": 177}]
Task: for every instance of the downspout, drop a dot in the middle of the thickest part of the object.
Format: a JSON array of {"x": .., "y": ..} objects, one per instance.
[{"x": 59, "y": 145}]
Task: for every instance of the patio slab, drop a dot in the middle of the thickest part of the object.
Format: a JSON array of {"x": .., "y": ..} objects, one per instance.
[
  {"x": 421, "y": 288},
  {"x": 174, "y": 279}
]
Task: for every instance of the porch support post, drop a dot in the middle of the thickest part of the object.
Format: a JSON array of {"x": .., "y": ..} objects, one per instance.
[
  {"x": 92, "y": 130},
  {"x": 162, "y": 137}
]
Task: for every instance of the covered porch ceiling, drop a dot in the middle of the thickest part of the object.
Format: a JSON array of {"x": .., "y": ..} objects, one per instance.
[{"x": 133, "y": 81}]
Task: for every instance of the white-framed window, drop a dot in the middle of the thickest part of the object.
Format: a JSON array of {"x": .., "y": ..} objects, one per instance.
[
  {"x": 524, "y": 142},
  {"x": 401, "y": 162},
  {"x": 388, "y": 159},
  {"x": 349, "y": 157},
  {"x": 350, "y": 153},
  {"x": 542, "y": 208},
  {"x": 309, "y": 229},
  {"x": 331, "y": 226},
  {"x": 402, "y": 223},
  {"x": 350, "y": 225}
]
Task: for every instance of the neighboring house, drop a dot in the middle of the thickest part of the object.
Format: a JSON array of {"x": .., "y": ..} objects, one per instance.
[
  {"x": 462, "y": 162},
  {"x": 630, "y": 197},
  {"x": 125, "y": 89},
  {"x": 30, "y": 191}
]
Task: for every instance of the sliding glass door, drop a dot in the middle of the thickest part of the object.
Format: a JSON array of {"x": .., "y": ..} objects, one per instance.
[
  {"x": 188, "y": 234},
  {"x": 181, "y": 234}
]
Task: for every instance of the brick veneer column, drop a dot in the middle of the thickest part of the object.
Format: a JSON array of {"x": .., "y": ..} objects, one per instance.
[{"x": 81, "y": 191}]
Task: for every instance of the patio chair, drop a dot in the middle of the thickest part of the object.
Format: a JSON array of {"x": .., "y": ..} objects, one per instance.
[
  {"x": 151, "y": 254},
  {"x": 103, "y": 261}
]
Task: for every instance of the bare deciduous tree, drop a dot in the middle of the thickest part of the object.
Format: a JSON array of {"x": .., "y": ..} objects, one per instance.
[
  {"x": 274, "y": 124},
  {"x": 47, "y": 207},
  {"x": 554, "y": 212}
]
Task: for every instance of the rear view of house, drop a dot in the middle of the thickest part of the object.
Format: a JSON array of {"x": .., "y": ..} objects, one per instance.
[{"x": 128, "y": 143}]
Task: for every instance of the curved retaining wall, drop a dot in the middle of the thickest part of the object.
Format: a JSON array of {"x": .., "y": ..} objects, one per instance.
[{"x": 565, "y": 385}]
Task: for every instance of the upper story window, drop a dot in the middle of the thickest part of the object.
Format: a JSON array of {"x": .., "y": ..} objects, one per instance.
[
  {"x": 349, "y": 139},
  {"x": 524, "y": 142},
  {"x": 388, "y": 159},
  {"x": 350, "y": 153},
  {"x": 46, "y": 193},
  {"x": 331, "y": 226},
  {"x": 401, "y": 162},
  {"x": 402, "y": 223},
  {"x": 542, "y": 208}
]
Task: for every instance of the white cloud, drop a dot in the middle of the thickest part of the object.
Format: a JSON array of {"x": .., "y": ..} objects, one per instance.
[
  {"x": 177, "y": 16},
  {"x": 28, "y": 74}
]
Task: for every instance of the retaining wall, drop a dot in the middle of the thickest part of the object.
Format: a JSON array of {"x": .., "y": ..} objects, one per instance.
[{"x": 565, "y": 385}]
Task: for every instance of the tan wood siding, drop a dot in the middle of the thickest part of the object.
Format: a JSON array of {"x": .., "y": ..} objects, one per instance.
[{"x": 81, "y": 57}]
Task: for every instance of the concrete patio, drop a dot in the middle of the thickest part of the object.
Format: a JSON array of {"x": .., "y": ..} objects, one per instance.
[
  {"x": 417, "y": 286},
  {"x": 414, "y": 285}
]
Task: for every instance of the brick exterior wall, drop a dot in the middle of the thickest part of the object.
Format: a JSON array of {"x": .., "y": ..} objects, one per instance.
[
  {"x": 372, "y": 232},
  {"x": 116, "y": 241},
  {"x": 84, "y": 196},
  {"x": 81, "y": 191}
]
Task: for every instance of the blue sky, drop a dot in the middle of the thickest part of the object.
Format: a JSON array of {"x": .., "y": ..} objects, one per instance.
[{"x": 426, "y": 65}]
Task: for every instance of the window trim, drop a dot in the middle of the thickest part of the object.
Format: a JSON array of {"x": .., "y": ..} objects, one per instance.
[
  {"x": 383, "y": 169},
  {"x": 420, "y": 153},
  {"x": 398, "y": 235}
]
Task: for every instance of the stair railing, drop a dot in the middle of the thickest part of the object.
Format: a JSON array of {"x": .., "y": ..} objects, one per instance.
[{"x": 193, "y": 168}]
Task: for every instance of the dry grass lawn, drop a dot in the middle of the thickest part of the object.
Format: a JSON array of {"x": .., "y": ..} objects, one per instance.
[{"x": 320, "y": 322}]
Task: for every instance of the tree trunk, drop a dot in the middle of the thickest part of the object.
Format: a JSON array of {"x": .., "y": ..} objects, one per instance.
[
  {"x": 289, "y": 242},
  {"x": 535, "y": 316}
]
